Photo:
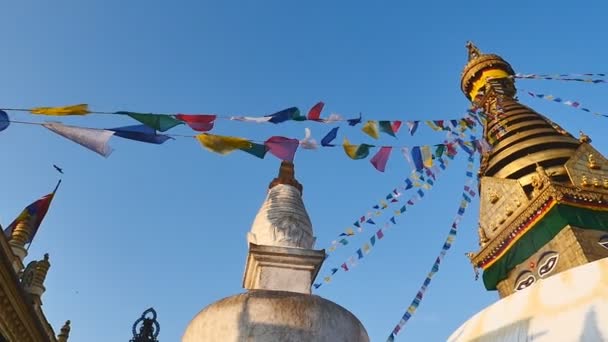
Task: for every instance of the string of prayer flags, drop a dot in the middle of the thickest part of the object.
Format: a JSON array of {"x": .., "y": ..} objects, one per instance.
[
  {"x": 444, "y": 249},
  {"x": 377, "y": 235},
  {"x": 198, "y": 122},
  {"x": 79, "y": 109},
  {"x": 416, "y": 179},
  {"x": 141, "y": 133},
  {"x": 573, "y": 104},
  {"x": 356, "y": 152},
  {"x": 371, "y": 128},
  {"x": 159, "y": 122},
  {"x": 222, "y": 144},
  {"x": 314, "y": 113},
  {"x": 95, "y": 140},
  {"x": 308, "y": 142},
  {"x": 282, "y": 148},
  {"x": 258, "y": 150},
  {"x": 564, "y": 77},
  {"x": 4, "y": 120},
  {"x": 380, "y": 159},
  {"x": 329, "y": 137},
  {"x": 386, "y": 127}
]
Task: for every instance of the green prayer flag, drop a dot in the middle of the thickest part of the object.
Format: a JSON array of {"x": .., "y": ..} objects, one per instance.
[
  {"x": 439, "y": 150},
  {"x": 386, "y": 127},
  {"x": 257, "y": 150},
  {"x": 159, "y": 122}
]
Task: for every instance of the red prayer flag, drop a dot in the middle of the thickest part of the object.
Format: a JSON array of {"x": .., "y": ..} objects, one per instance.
[
  {"x": 396, "y": 125},
  {"x": 380, "y": 159},
  {"x": 282, "y": 148},
  {"x": 198, "y": 122},
  {"x": 315, "y": 112}
]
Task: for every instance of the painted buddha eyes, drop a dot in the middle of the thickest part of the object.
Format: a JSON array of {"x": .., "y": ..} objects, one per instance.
[
  {"x": 604, "y": 241},
  {"x": 525, "y": 279},
  {"x": 546, "y": 263}
]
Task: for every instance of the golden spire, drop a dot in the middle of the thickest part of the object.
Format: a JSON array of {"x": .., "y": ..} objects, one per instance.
[
  {"x": 480, "y": 68},
  {"x": 32, "y": 278},
  {"x": 286, "y": 176},
  {"x": 64, "y": 334},
  {"x": 22, "y": 232},
  {"x": 42, "y": 268}
]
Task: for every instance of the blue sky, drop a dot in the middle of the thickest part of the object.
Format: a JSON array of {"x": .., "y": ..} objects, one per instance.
[{"x": 165, "y": 226}]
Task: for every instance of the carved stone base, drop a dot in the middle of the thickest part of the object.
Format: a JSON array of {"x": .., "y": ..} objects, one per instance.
[{"x": 281, "y": 268}]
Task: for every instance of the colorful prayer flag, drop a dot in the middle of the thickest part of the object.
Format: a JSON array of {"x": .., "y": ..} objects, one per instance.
[
  {"x": 79, "y": 109},
  {"x": 4, "y": 120},
  {"x": 315, "y": 112},
  {"x": 222, "y": 144},
  {"x": 356, "y": 151},
  {"x": 329, "y": 137},
  {"x": 371, "y": 128},
  {"x": 386, "y": 127},
  {"x": 141, "y": 133},
  {"x": 94, "y": 139},
  {"x": 282, "y": 147},
  {"x": 284, "y": 115},
  {"x": 257, "y": 150},
  {"x": 380, "y": 159},
  {"x": 159, "y": 122},
  {"x": 34, "y": 214},
  {"x": 198, "y": 122},
  {"x": 412, "y": 126}
]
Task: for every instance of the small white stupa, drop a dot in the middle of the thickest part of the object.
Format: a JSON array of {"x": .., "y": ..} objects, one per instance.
[{"x": 281, "y": 267}]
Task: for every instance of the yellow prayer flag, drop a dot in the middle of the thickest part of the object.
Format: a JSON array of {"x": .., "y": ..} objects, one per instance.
[
  {"x": 350, "y": 232},
  {"x": 79, "y": 109},
  {"x": 371, "y": 128},
  {"x": 222, "y": 144},
  {"x": 350, "y": 150},
  {"x": 427, "y": 156},
  {"x": 366, "y": 248}
]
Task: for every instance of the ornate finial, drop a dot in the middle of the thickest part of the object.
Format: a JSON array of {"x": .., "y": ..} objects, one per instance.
[
  {"x": 149, "y": 329},
  {"x": 470, "y": 255},
  {"x": 583, "y": 138},
  {"x": 286, "y": 176},
  {"x": 473, "y": 50},
  {"x": 64, "y": 334}
]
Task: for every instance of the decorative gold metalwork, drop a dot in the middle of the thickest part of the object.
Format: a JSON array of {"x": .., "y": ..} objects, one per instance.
[
  {"x": 583, "y": 138},
  {"x": 591, "y": 163}
]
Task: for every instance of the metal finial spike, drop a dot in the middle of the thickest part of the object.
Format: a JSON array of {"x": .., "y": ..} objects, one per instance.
[{"x": 473, "y": 50}]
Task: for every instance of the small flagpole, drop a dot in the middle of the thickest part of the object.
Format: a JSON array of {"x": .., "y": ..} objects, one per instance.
[
  {"x": 54, "y": 191},
  {"x": 57, "y": 186}
]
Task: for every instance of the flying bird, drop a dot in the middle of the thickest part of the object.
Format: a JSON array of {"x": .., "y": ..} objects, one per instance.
[{"x": 60, "y": 170}]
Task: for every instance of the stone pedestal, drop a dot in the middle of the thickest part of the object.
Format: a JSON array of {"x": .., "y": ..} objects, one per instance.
[{"x": 281, "y": 268}]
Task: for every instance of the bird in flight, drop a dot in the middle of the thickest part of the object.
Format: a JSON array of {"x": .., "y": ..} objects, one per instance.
[{"x": 60, "y": 170}]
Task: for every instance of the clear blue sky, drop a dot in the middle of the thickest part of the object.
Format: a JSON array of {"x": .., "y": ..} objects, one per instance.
[{"x": 165, "y": 226}]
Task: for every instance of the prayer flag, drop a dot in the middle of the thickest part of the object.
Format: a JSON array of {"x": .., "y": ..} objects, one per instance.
[
  {"x": 386, "y": 127},
  {"x": 34, "y": 214},
  {"x": 356, "y": 151},
  {"x": 427, "y": 156},
  {"x": 354, "y": 122},
  {"x": 79, "y": 109},
  {"x": 371, "y": 128},
  {"x": 284, "y": 115},
  {"x": 94, "y": 139},
  {"x": 4, "y": 120},
  {"x": 222, "y": 144},
  {"x": 308, "y": 142},
  {"x": 412, "y": 126},
  {"x": 157, "y": 121},
  {"x": 141, "y": 133},
  {"x": 198, "y": 122},
  {"x": 329, "y": 137},
  {"x": 257, "y": 150},
  {"x": 396, "y": 126},
  {"x": 282, "y": 148},
  {"x": 315, "y": 112},
  {"x": 381, "y": 158},
  {"x": 417, "y": 158}
]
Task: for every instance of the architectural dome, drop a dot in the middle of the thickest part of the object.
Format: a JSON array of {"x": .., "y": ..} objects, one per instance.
[
  {"x": 282, "y": 220},
  {"x": 261, "y": 315},
  {"x": 569, "y": 306}
]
